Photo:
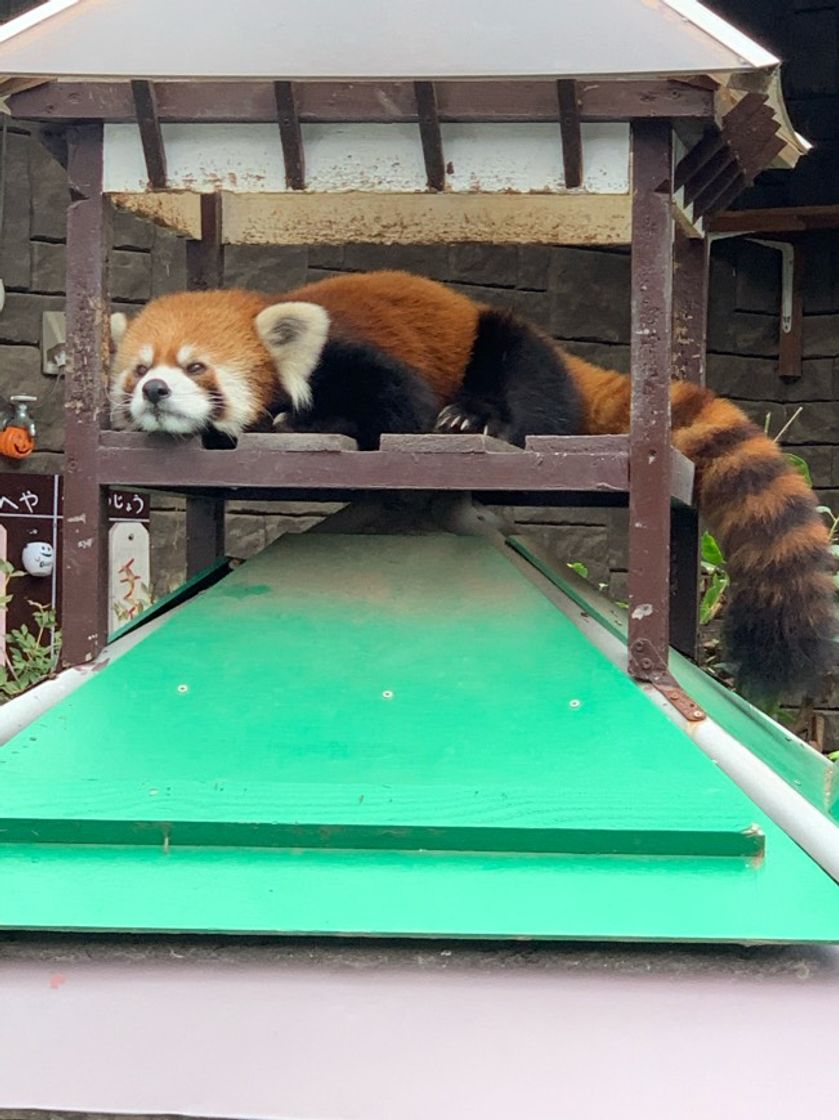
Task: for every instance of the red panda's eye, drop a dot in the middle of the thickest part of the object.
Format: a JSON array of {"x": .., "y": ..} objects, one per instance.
[
  {"x": 195, "y": 368},
  {"x": 141, "y": 370}
]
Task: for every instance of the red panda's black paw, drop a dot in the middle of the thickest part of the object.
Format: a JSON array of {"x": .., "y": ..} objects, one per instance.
[{"x": 465, "y": 418}]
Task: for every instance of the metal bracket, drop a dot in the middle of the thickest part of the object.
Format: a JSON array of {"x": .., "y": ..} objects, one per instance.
[
  {"x": 787, "y": 252},
  {"x": 671, "y": 690}
]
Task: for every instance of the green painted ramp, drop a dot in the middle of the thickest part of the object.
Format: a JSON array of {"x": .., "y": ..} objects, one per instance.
[{"x": 385, "y": 735}]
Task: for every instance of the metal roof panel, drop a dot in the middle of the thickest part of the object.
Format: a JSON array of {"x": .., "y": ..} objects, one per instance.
[{"x": 364, "y": 39}]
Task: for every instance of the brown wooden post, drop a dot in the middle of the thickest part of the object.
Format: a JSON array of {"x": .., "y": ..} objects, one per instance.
[
  {"x": 85, "y": 528},
  {"x": 205, "y": 270},
  {"x": 651, "y": 356},
  {"x": 205, "y": 255},
  {"x": 690, "y": 316},
  {"x": 690, "y": 306}
]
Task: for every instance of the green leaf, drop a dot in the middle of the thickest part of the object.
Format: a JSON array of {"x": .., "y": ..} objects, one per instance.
[
  {"x": 798, "y": 464},
  {"x": 834, "y": 756},
  {"x": 711, "y": 551},
  {"x": 711, "y": 599},
  {"x": 579, "y": 568}
]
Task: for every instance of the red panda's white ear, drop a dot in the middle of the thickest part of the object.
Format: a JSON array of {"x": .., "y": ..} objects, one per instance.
[
  {"x": 119, "y": 325},
  {"x": 294, "y": 334}
]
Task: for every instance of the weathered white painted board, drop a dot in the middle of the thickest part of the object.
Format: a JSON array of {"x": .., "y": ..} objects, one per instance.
[
  {"x": 363, "y": 157},
  {"x": 129, "y": 572},
  {"x": 370, "y": 157},
  {"x": 528, "y": 157}
]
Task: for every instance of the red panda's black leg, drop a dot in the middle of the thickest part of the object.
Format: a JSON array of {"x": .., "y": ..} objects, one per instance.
[
  {"x": 515, "y": 385},
  {"x": 361, "y": 391}
]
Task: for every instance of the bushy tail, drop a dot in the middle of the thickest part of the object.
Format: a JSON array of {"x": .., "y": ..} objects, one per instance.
[{"x": 781, "y": 620}]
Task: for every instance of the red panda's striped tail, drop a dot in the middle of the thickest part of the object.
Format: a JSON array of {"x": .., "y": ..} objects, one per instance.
[{"x": 780, "y": 625}]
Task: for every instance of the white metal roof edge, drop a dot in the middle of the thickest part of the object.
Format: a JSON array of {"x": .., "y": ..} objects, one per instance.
[
  {"x": 721, "y": 30},
  {"x": 748, "y": 53},
  {"x": 33, "y": 17}
]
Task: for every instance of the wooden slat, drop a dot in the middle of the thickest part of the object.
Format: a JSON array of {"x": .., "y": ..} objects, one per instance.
[
  {"x": 706, "y": 149},
  {"x": 751, "y": 167},
  {"x": 716, "y": 165},
  {"x": 569, "y": 126},
  {"x": 290, "y": 136},
  {"x": 729, "y": 182},
  {"x": 145, "y": 106},
  {"x": 524, "y": 100},
  {"x": 432, "y": 143}
]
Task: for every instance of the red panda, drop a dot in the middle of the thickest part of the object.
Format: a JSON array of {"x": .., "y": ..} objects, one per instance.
[{"x": 391, "y": 352}]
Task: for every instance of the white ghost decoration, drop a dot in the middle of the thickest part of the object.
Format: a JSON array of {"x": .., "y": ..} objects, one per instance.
[{"x": 39, "y": 558}]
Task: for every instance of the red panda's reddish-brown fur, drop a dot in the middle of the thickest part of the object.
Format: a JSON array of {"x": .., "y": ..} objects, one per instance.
[
  {"x": 781, "y": 621},
  {"x": 430, "y": 327}
]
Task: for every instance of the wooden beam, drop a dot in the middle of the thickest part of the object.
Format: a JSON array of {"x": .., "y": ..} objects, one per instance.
[
  {"x": 204, "y": 517},
  {"x": 650, "y": 459},
  {"x": 421, "y": 218},
  {"x": 85, "y": 526},
  {"x": 524, "y": 100},
  {"x": 290, "y": 136},
  {"x": 569, "y": 127},
  {"x": 145, "y": 108},
  {"x": 690, "y": 306},
  {"x": 205, "y": 256},
  {"x": 432, "y": 143},
  {"x": 595, "y": 465},
  {"x": 780, "y": 219},
  {"x": 204, "y": 533}
]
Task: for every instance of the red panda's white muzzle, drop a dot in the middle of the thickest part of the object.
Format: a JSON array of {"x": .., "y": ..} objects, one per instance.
[{"x": 167, "y": 400}]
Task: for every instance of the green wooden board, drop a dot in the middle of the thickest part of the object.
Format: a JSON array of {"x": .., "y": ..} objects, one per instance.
[
  {"x": 384, "y": 735},
  {"x": 805, "y": 769}
]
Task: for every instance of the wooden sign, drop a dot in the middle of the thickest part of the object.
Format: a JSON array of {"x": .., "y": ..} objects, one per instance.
[
  {"x": 130, "y": 576},
  {"x": 31, "y": 514}
]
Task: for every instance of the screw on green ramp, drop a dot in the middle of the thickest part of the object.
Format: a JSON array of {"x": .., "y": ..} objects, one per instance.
[{"x": 385, "y": 735}]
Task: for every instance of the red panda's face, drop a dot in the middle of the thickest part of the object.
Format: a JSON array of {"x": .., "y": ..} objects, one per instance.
[{"x": 223, "y": 360}]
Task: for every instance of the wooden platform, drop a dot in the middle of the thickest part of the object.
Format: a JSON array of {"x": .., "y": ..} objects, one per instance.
[{"x": 565, "y": 465}]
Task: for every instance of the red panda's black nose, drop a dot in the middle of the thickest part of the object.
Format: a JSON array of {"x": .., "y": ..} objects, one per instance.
[{"x": 155, "y": 390}]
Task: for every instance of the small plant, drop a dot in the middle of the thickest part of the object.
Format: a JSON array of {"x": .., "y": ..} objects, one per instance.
[
  {"x": 715, "y": 579},
  {"x": 31, "y": 655}
]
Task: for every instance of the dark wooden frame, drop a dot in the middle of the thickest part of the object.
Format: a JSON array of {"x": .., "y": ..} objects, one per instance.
[{"x": 641, "y": 468}]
